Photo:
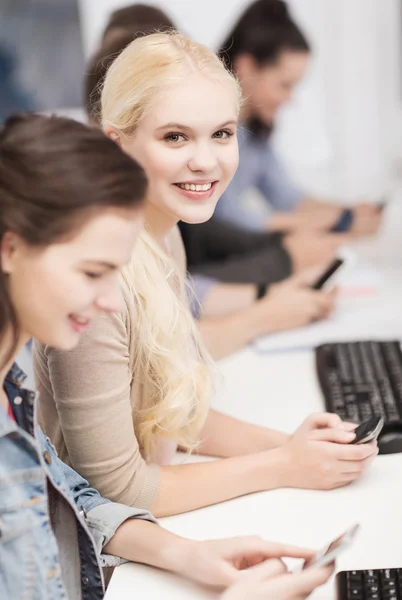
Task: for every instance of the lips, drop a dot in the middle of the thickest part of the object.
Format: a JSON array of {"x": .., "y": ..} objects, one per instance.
[
  {"x": 199, "y": 190},
  {"x": 78, "y": 322}
]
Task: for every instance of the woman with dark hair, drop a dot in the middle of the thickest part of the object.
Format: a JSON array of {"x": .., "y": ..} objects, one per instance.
[
  {"x": 71, "y": 208},
  {"x": 270, "y": 55}
]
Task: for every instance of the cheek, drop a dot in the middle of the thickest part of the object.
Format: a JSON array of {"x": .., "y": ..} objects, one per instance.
[
  {"x": 230, "y": 161},
  {"x": 163, "y": 164}
]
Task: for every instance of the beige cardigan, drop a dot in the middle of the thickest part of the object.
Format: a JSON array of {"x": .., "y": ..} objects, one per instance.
[{"x": 88, "y": 400}]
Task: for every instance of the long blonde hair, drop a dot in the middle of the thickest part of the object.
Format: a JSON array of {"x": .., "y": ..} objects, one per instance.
[{"x": 171, "y": 361}]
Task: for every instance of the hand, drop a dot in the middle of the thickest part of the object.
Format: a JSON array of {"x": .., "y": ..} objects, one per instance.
[
  {"x": 313, "y": 249},
  {"x": 318, "y": 455},
  {"x": 366, "y": 221},
  {"x": 318, "y": 216},
  {"x": 291, "y": 304},
  {"x": 221, "y": 562},
  {"x": 272, "y": 580}
]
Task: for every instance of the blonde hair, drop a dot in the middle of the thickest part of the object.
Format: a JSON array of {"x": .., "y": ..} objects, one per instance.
[{"x": 171, "y": 361}]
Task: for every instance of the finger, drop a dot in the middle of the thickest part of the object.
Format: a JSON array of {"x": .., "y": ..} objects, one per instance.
[
  {"x": 254, "y": 545},
  {"x": 270, "y": 568},
  {"x": 338, "y": 436},
  {"x": 323, "y": 421},
  {"x": 309, "y": 579},
  {"x": 355, "y": 452}
]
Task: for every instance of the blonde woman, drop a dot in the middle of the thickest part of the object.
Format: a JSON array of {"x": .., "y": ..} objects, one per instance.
[{"x": 139, "y": 384}]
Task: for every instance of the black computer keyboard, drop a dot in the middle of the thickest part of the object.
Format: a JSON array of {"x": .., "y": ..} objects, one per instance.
[
  {"x": 372, "y": 584},
  {"x": 364, "y": 379}
]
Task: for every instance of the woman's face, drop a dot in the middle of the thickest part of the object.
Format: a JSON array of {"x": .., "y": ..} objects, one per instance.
[
  {"x": 187, "y": 145},
  {"x": 267, "y": 88},
  {"x": 59, "y": 289}
]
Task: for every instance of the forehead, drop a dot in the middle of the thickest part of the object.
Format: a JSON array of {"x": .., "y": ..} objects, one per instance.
[
  {"x": 292, "y": 64},
  {"x": 106, "y": 236},
  {"x": 197, "y": 102}
]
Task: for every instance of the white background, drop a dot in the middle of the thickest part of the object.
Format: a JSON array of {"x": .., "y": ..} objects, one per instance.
[{"x": 341, "y": 134}]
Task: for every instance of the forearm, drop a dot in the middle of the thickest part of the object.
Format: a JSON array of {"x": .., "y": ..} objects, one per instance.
[
  {"x": 223, "y": 436},
  {"x": 146, "y": 543},
  {"x": 226, "y": 298},
  {"x": 192, "y": 486},
  {"x": 283, "y": 221},
  {"x": 230, "y": 333}
]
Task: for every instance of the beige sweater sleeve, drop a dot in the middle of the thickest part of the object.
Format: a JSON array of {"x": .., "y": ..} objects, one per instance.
[{"x": 91, "y": 388}]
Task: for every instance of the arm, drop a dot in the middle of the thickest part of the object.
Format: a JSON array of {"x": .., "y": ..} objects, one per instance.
[
  {"x": 224, "y": 436},
  {"x": 91, "y": 387},
  {"x": 288, "y": 305},
  {"x": 214, "y": 562},
  {"x": 187, "y": 487}
]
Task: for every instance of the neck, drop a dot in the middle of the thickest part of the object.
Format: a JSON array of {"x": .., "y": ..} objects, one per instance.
[{"x": 159, "y": 224}]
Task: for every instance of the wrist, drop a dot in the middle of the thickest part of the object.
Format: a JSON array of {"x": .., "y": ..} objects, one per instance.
[
  {"x": 273, "y": 469},
  {"x": 177, "y": 556}
]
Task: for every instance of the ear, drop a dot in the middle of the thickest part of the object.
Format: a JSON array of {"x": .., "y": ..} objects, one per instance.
[
  {"x": 10, "y": 244},
  {"x": 112, "y": 133},
  {"x": 245, "y": 66}
]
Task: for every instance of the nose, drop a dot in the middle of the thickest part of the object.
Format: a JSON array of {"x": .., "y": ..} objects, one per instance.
[
  {"x": 203, "y": 158},
  {"x": 111, "y": 299}
]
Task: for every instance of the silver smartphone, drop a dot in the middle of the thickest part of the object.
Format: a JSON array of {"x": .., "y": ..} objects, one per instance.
[{"x": 329, "y": 553}]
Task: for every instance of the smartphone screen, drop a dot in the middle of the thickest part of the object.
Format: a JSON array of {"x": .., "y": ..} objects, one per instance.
[
  {"x": 329, "y": 553},
  {"x": 332, "y": 269}
]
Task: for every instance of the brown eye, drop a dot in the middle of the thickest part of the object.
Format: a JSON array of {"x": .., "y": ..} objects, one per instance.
[
  {"x": 174, "y": 138},
  {"x": 223, "y": 134}
]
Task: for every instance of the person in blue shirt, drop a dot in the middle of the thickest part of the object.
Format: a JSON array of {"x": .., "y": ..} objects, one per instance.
[
  {"x": 269, "y": 54},
  {"x": 71, "y": 209}
]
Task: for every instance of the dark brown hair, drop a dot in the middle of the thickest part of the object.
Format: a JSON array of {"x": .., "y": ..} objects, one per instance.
[
  {"x": 264, "y": 30},
  {"x": 124, "y": 25},
  {"x": 54, "y": 174}
]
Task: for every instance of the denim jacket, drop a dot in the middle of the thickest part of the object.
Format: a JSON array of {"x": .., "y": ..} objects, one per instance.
[{"x": 53, "y": 526}]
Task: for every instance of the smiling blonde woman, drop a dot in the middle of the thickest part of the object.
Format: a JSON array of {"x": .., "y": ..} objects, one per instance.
[{"x": 140, "y": 382}]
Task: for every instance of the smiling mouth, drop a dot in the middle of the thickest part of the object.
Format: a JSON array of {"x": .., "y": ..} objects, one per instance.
[{"x": 195, "y": 187}]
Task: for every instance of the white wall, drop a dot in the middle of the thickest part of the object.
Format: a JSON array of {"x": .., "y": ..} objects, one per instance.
[{"x": 340, "y": 133}]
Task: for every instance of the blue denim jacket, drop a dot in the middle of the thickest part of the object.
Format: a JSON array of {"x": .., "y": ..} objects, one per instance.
[{"x": 53, "y": 526}]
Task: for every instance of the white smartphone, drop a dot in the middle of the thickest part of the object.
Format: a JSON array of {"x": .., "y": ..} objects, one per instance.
[
  {"x": 329, "y": 553},
  {"x": 344, "y": 259}
]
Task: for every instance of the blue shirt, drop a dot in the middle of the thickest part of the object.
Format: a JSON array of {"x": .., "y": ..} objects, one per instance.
[
  {"x": 259, "y": 169},
  {"x": 53, "y": 525}
]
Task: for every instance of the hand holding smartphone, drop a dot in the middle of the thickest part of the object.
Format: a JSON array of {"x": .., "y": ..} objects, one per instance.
[
  {"x": 331, "y": 551},
  {"x": 345, "y": 258}
]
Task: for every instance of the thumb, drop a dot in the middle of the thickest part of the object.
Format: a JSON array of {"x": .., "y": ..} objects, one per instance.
[
  {"x": 269, "y": 568},
  {"x": 322, "y": 421}
]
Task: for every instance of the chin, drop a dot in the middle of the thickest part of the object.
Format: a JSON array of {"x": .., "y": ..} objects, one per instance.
[
  {"x": 68, "y": 341},
  {"x": 195, "y": 217}
]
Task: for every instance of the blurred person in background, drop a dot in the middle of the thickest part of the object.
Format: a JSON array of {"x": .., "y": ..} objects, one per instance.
[
  {"x": 269, "y": 54},
  {"x": 235, "y": 312}
]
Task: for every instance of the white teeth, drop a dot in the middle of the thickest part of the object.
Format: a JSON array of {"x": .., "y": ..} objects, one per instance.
[
  {"x": 195, "y": 187},
  {"x": 80, "y": 319}
]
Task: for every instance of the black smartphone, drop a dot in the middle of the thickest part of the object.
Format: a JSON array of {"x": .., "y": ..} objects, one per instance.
[
  {"x": 330, "y": 272},
  {"x": 368, "y": 430},
  {"x": 382, "y": 204}
]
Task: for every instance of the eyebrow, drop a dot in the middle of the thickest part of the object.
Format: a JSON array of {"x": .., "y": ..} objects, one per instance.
[
  {"x": 100, "y": 263},
  {"x": 181, "y": 126}
]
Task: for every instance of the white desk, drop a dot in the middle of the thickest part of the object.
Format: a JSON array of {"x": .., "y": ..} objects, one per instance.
[{"x": 279, "y": 390}]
